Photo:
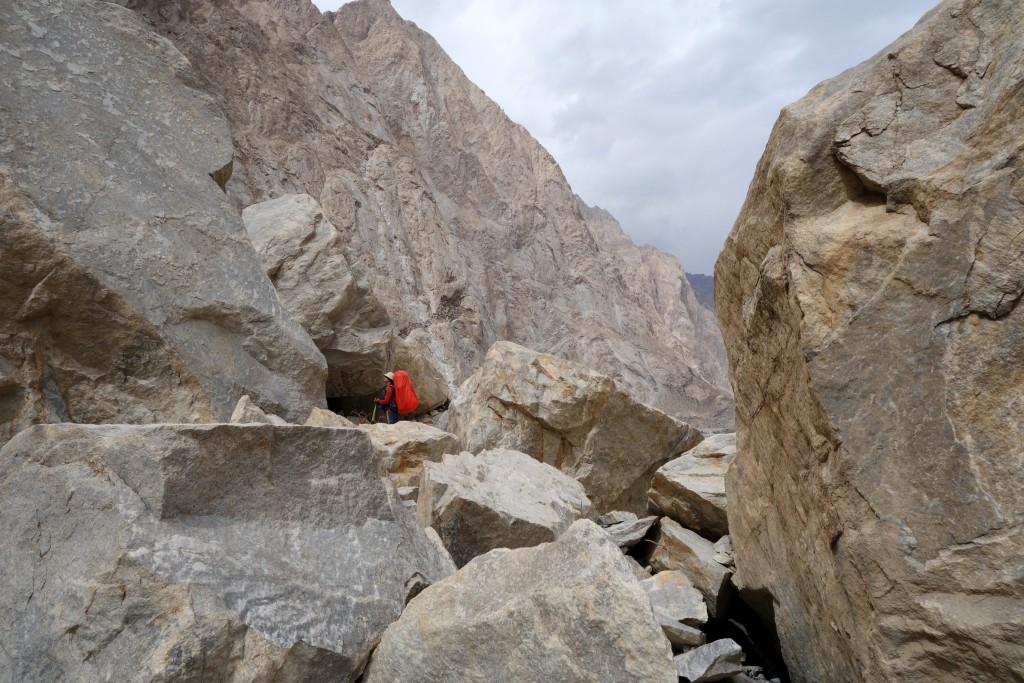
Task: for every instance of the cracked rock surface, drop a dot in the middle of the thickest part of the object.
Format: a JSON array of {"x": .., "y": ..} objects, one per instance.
[
  {"x": 571, "y": 418},
  {"x": 868, "y": 296},
  {"x": 200, "y": 552}
]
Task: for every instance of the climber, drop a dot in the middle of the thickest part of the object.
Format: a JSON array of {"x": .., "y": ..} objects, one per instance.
[{"x": 388, "y": 402}]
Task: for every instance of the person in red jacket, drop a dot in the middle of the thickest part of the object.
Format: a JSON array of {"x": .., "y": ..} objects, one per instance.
[{"x": 388, "y": 402}]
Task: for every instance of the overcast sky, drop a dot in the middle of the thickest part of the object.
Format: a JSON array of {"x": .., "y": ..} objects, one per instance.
[{"x": 657, "y": 110}]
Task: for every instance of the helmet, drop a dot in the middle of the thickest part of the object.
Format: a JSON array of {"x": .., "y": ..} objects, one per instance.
[{"x": 390, "y": 375}]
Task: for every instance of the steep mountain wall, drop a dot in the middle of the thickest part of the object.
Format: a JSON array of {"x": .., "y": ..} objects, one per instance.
[
  {"x": 456, "y": 221},
  {"x": 868, "y": 297}
]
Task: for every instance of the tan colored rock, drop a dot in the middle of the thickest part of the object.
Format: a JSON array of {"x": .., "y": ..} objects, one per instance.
[
  {"x": 405, "y": 446},
  {"x": 691, "y": 488},
  {"x": 303, "y": 255},
  {"x": 572, "y": 418},
  {"x": 497, "y": 499},
  {"x": 458, "y": 221},
  {"x": 570, "y": 610},
  {"x": 129, "y": 291},
  {"x": 319, "y": 417},
  {"x": 869, "y": 299},
  {"x": 200, "y": 552},
  {"x": 682, "y": 550},
  {"x": 247, "y": 412}
]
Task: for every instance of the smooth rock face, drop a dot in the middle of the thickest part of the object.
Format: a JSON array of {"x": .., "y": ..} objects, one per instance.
[
  {"x": 570, "y": 610},
  {"x": 868, "y": 294},
  {"x": 459, "y": 223},
  {"x": 569, "y": 417},
  {"x": 712, "y": 662},
  {"x": 129, "y": 291},
  {"x": 405, "y": 446},
  {"x": 303, "y": 255},
  {"x": 497, "y": 499},
  {"x": 200, "y": 552},
  {"x": 683, "y": 550},
  {"x": 691, "y": 488}
]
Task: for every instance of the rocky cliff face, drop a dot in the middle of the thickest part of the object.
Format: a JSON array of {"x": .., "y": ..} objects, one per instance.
[
  {"x": 868, "y": 296},
  {"x": 457, "y": 221}
]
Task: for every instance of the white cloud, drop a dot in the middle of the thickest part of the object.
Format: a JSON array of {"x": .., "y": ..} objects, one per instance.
[{"x": 657, "y": 110}]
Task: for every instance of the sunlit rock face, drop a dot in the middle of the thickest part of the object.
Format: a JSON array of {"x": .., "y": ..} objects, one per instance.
[
  {"x": 450, "y": 216},
  {"x": 868, "y": 297}
]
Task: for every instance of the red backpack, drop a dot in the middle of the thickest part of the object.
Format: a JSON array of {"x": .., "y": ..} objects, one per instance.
[{"x": 405, "y": 395}]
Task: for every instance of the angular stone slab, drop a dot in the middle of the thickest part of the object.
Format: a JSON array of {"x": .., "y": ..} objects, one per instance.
[
  {"x": 405, "y": 446},
  {"x": 572, "y": 418},
  {"x": 691, "y": 488},
  {"x": 683, "y": 550},
  {"x": 563, "y": 611},
  {"x": 674, "y": 596},
  {"x": 679, "y": 634},
  {"x": 178, "y": 552},
  {"x": 497, "y": 499},
  {"x": 630, "y": 531},
  {"x": 715, "y": 661}
]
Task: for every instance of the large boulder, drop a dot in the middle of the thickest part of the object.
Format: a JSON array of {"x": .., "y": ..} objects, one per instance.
[
  {"x": 129, "y": 291},
  {"x": 405, "y": 446},
  {"x": 869, "y": 297},
  {"x": 691, "y": 488},
  {"x": 200, "y": 552},
  {"x": 497, "y": 499},
  {"x": 569, "y": 611},
  {"x": 572, "y": 418},
  {"x": 303, "y": 255}
]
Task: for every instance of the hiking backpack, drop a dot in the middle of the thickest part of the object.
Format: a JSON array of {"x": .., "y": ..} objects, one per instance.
[{"x": 405, "y": 395}]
